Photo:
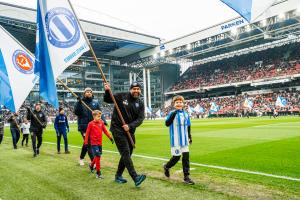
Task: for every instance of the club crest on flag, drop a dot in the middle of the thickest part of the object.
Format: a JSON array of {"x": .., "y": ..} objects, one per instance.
[
  {"x": 62, "y": 27},
  {"x": 23, "y": 62}
]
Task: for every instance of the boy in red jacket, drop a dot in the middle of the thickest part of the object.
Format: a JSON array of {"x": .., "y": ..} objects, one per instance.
[{"x": 93, "y": 138}]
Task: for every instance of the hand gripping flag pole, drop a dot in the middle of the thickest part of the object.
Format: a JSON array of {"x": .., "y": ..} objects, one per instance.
[{"x": 103, "y": 77}]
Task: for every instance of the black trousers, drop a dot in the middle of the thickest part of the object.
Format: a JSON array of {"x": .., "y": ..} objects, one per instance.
[
  {"x": 185, "y": 162},
  {"x": 36, "y": 135},
  {"x": 85, "y": 149},
  {"x": 15, "y": 134},
  {"x": 125, "y": 149},
  {"x": 25, "y": 138}
]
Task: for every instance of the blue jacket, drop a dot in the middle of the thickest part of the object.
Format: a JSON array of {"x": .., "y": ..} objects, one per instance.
[{"x": 61, "y": 123}]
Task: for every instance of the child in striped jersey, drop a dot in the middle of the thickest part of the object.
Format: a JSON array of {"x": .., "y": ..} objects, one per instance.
[{"x": 179, "y": 124}]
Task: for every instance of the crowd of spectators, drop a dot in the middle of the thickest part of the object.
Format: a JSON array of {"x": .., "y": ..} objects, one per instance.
[
  {"x": 196, "y": 78},
  {"x": 234, "y": 105}
]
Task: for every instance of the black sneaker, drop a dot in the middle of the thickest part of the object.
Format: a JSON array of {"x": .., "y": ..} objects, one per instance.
[
  {"x": 139, "y": 179},
  {"x": 167, "y": 171},
  {"x": 92, "y": 169},
  {"x": 58, "y": 152},
  {"x": 34, "y": 155},
  {"x": 120, "y": 179},
  {"x": 37, "y": 151},
  {"x": 188, "y": 181},
  {"x": 67, "y": 152}
]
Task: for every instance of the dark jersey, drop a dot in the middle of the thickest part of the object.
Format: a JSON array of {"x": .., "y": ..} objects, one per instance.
[{"x": 132, "y": 109}]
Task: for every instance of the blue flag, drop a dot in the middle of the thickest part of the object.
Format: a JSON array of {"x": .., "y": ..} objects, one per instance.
[
  {"x": 59, "y": 43},
  {"x": 281, "y": 102},
  {"x": 249, "y": 9}
]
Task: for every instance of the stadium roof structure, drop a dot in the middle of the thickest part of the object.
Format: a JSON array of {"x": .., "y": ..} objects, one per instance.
[
  {"x": 108, "y": 42},
  {"x": 281, "y": 24}
]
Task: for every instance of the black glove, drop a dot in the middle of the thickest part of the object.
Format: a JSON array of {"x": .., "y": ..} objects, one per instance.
[
  {"x": 112, "y": 140},
  {"x": 79, "y": 99},
  {"x": 44, "y": 126}
]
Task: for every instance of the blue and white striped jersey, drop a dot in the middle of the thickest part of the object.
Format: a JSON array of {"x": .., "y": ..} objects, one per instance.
[{"x": 179, "y": 129}]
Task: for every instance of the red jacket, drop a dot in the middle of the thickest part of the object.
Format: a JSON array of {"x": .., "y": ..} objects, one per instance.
[{"x": 93, "y": 135}]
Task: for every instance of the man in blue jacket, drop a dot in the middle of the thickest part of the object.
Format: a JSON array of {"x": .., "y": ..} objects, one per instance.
[
  {"x": 84, "y": 116},
  {"x": 61, "y": 126}
]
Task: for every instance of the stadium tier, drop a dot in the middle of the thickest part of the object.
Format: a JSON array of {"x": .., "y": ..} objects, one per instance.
[{"x": 229, "y": 58}]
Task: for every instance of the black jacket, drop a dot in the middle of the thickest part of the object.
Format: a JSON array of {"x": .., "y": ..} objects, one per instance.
[
  {"x": 14, "y": 121},
  {"x": 35, "y": 126},
  {"x": 132, "y": 109},
  {"x": 84, "y": 115}
]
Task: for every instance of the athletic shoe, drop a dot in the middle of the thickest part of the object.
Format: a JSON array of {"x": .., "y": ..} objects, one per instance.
[
  {"x": 139, "y": 179},
  {"x": 58, "y": 152},
  {"x": 81, "y": 163},
  {"x": 34, "y": 155},
  {"x": 99, "y": 175},
  {"x": 37, "y": 151},
  {"x": 67, "y": 152},
  {"x": 188, "y": 181},
  {"x": 92, "y": 169},
  {"x": 120, "y": 179},
  {"x": 166, "y": 171}
]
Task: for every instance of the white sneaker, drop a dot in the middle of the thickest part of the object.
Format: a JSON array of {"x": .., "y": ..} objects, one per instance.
[{"x": 81, "y": 163}]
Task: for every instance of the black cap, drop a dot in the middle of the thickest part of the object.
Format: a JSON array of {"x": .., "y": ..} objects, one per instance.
[{"x": 135, "y": 84}]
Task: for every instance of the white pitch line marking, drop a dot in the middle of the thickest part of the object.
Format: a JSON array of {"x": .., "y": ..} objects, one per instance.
[{"x": 203, "y": 165}]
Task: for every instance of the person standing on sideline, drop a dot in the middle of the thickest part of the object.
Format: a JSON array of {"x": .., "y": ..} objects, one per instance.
[
  {"x": 38, "y": 121},
  {"x": 14, "y": 129},
  {"x": 84, "y": 116},
  {"x": 180, "y": 137},
  {"x": 1, "y": 125},
  {"x": 25, "y": 130},
  {"x": 133, "y": 111},
  {"x": 61, "y": 126}
]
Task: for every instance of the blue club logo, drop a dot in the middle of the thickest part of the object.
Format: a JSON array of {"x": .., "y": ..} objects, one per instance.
[
  {"x": 62, "y": 27},
  {"x": 177, "y": 151}
]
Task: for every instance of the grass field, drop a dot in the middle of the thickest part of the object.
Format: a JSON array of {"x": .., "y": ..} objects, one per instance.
[{"x": 263, "y": 145}]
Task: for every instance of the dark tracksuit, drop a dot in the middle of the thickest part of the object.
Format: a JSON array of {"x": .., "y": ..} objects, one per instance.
[
  {"x": 36, "y": 129},
  {"x": 133, "y": 112},
  {"x": 1, "y": 126},
  {"x": 185, "y": 155},
  {"x": 61, "y": 126},
  {"x": 84, "y": 116},
  {"x": 14, "y": 129}
]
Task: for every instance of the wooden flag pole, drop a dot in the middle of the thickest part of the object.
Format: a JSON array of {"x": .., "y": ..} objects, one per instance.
[
  {"x": 75, "y": 95},
  {"x": 103, "y": 77},
  {"x": 37, "y": 119}
]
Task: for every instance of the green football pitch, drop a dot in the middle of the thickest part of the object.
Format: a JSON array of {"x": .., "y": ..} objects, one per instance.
[{"x": 231, "y": 158}]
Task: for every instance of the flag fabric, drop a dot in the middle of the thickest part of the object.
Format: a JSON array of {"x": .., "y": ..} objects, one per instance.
[
  {"x": 214, "y": 107},
  {"x": 190, "y": 109},
  {"x": 248, "y": 103},
  {"x": 59, "y": 43},
  {"x": 158, "y": 113},
  {"x": 17, "y": 76},
  {"x": 199, "y": 109},
  {"x": 281, "y": 102},
  {"x": 249, "y": 9},
  {"x": 148, "y": 110}
]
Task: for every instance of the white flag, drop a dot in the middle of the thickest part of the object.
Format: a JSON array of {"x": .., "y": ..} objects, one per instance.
[
  {"x": 59, "y": 43},
  {"x": 17, "y": 76}
]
